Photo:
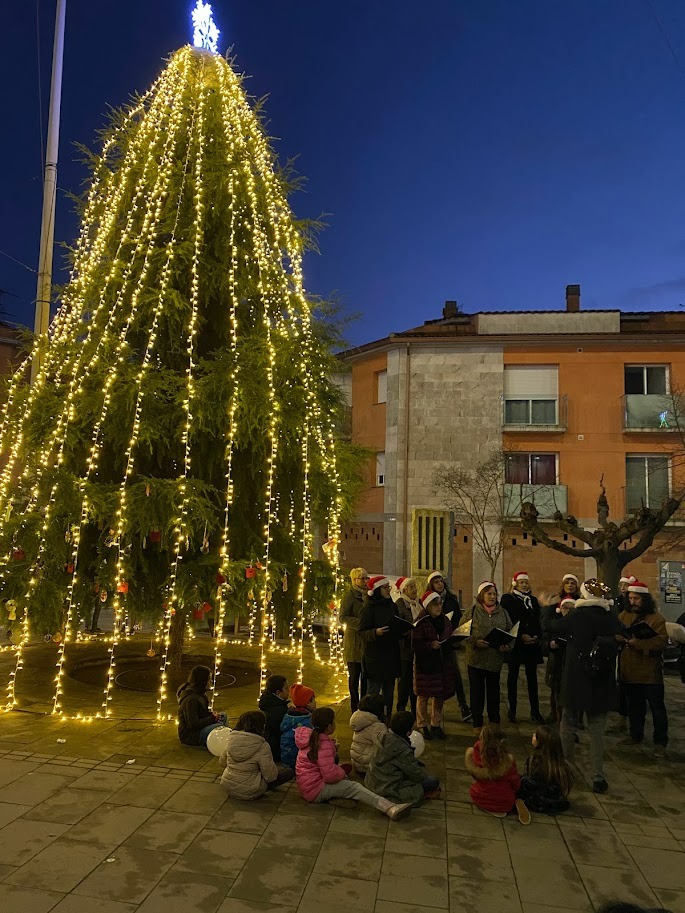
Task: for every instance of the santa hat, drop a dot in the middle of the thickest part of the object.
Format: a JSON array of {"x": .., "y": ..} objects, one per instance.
[
  {"x": 520, "y": 575},
  {"x": 401, "y": 583},
  {"x": 638, "y": 587},
  {"x": 428, "y": 598},
  {"x": 374, "y": 583},
  {"x": 484, "y": 585},
  {"x": 301, "y": 695},
  {"x": 628, "y": 580},
  {"x": 433, "y": 575},
  {"x": 567, "y": 601},
  {"x": 570, "y": 577}
]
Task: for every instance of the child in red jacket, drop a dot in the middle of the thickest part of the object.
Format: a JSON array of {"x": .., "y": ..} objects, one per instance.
[{"x": 497, "y": 781}]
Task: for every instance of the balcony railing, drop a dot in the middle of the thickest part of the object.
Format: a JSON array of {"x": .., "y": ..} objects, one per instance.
[
  {"x": 547, "y": 498},
  {"x": 648, "y": 412},
  {"x": 534, "y": 412}
]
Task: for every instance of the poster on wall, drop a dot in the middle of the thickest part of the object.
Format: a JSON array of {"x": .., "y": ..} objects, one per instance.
[{"x": 672, "y": 585}]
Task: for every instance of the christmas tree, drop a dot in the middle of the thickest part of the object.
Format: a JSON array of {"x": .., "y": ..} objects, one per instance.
[{"x": 178, "y": 447}]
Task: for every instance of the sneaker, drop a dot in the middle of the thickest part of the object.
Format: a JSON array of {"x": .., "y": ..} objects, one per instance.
[
  {"x": 660, "y": 751},
  {"x": 466, "y": 714},
  {"x": 537, "y": 718},
  {"x": 599, "y": 785},
  {"x": 495, "y": 814},
  {"x": 395, "y": 812},
  {"x": 438, "y": 733},
  {"x": 512, "y": 716},
  {"x": 427, "y": 734},
  {"x": 523, "y": 812}
]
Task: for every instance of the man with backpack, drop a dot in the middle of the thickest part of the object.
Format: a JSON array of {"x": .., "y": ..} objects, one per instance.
[{"x": 589, "y": 678}]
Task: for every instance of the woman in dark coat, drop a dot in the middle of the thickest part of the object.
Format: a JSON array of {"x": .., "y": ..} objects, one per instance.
[
  {"x": 450, "y": 604},
  {"x": 434, "y": 666},
  {"x": 353, "y": 645},
  {"x": 555, "y": 651},
  {"x": 589, "y": 678},
  {"x": 523, "y": 608},
  {"x": 381, "y": 629},
  {"x": 195, "y": 719}
]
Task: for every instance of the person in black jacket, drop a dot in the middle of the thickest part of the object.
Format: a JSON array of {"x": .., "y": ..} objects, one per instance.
[
  {"x": 195, "y": 719},
  {"x": 274, "y": 703},
  {"x": 523, "y": 607},
  {"x": 589, "y": 678},
  {"x": 436, "y": 583},
  {"x": 381, "y": 630}
]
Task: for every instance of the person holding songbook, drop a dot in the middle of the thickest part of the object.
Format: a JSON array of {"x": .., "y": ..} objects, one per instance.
[
  {"x": 641, "y": 672},
  {"x": 523, "y": 607},
  {"x": 434, "y": 665},
  {"x": 490, "y": 640},
  {"x": 381, "y": 629}
]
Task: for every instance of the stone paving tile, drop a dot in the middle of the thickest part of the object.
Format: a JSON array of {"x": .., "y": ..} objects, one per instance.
[
  {"x": 558, "y": 880},
  {"x": 300, "y": 835},
  {"x": 661, "y": 868},
  {"x": 72, "y": 903},
  {"x": 338, "y": 895},
  {"x": 363, "y": 856},
  {"x": 545, "y": 908},
  {"x": 601, "y": 847},
  {"x": 478, "y": 896},
  {"x": 360, "y": 820},
  {"x": 237, "y": 905},
  {"x": 129, "y": 878},
  {"x": 6, "y": 870},
  {"x": 219, "y": 853},
  {"x": 109, "y": 825},
  {"x": 388, "y": 906},
  {"x": 172, "y": 832},
  {"x": 479, "y": 859},
  {"x": 475, "y": 826},
  {"x": 33, "y": 787},
  {"x": 196, "y": 798},
  {"x": 21, "y": 840},
  {"x": 145, "y": 791},
  {"x": 244, "y": 817},
  {"x": 10, "y": 811},
  {"x": 179, "y": 892},
  {"x": 68, "y": 806},
  {"x": 96, "y": 779},
  {"x": 424, "y": 833},
  {"x": 60, "y": 866},
  {"x": 266, "y": 875},
  {"x": 672, "y": 900},
  {"x": 14, "y": 899},
  {"x": 414, "y": 879},
  {"x": 606, "y": 884}
]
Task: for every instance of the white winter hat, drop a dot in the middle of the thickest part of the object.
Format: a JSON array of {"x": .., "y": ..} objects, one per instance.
[
  {"x": 484, "y": 585},
  {"x": 433, "y": 575},
  {"x": 570, "y": 577},
  {"x": 428, "y": 598}
]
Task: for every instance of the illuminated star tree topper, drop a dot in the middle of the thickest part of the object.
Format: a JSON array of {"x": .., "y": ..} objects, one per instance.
[{"x": 205, "y": 32}]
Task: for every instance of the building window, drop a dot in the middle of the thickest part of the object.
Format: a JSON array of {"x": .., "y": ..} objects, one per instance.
[
  {"x": 380, "y": 469},
  {"x": 531, "y": 469},
  {"x": 381, "y": 386},
  {"x": 646, "y": 379},
  {"x": 647, "y": 481},
  {"x": 531, "y": 395}
]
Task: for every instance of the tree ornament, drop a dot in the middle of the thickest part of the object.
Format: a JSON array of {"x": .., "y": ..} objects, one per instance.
[
  {"x": 122, "y": 586},
  {"x": 69, "y": 567},
  {"x": 11, "y": 606},
  {"x": 18, "y": 554},
  {"x": 147, "y": 490},
  {"x": 284, "y": 582},
  {"x": 220, "y": 578},
  {"x": 204, "y": 548},
  {"x": 250, "y": 572},
  {"x": 103, "y": 595},
  {"x": 155, "y": 536}
]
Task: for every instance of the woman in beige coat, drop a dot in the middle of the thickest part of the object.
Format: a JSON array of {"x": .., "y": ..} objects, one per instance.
[{"x": 249, "y": 765}]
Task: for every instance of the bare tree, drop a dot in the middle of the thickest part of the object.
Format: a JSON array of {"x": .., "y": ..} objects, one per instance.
[{"x": 481, "y": 499}]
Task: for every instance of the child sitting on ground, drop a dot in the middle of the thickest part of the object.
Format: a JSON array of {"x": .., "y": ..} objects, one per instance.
[
  {"x": 249, "y": 765},
  {"x": 300, "y": 714},
  {"x": 367, "y": 724},
  {"x": 320, "y": 778},
  {"x": 195, "y": 719},
  {"x": 497, "y": 782},
  {"x": 548, "y": 779},
  {"x": 274, "y": 703},
  {"x": 394, "y": 771}
]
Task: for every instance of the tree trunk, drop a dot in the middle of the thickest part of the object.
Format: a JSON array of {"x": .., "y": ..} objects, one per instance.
[
  {"x": 609, "y": 569},
  {"x": 176, "y": 634}
]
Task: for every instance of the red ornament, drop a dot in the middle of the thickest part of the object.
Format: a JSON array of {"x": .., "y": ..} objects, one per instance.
[
  {"x": 155, "y": 535},
  {"x": 69, "y": 567},
  {"x": 18, "y": 554},
  {"x": 207, "y": 607},
  {"x": 250, "y": 572},
  {"x": 220, "y": 578},
  {"x": 122, "y": 587}
]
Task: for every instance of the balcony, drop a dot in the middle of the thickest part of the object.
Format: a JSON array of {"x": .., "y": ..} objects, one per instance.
[
  {"x": 547, "y": 498},
  {"x": 537, "y": 413},
  {"x": 648, "y": 412}
]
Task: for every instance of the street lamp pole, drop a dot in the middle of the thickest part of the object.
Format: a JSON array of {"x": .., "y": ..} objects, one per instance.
[{"x": 47, "y": 230}]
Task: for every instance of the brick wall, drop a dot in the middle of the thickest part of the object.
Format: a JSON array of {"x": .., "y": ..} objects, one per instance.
[{"x": 362, "y": 546}]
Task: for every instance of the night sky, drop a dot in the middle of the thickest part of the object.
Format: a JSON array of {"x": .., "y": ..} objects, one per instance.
[{"x": 490, "y": 151}]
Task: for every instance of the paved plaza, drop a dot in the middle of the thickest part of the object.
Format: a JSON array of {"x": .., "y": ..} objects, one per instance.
[{"x": 117, "y": 816}]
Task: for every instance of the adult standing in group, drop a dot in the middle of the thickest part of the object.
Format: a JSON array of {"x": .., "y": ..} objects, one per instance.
[
  {"x": 434, "y": 666},
  {"x": 409, "y": 608},
  {"x": 641, "y": 668},
  {"x": 589, "y": 679},
  {"x": 436, "y": 583},
  {"x": 484, "y": 662},
  {"x": 622, "y": 601},
  {"x": 380, "y": 632},
  {"x": 555, "y": 649},
  {"x": 622, "y": 604},
  {"x": 524, "y": 609},
  {"x": 353, "y": 645}
]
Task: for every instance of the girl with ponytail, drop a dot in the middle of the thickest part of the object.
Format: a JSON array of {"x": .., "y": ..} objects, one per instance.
[{"x": 319, "y": 776}]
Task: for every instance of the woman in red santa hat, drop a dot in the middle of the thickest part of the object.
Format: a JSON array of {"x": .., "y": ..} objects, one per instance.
[
  {"x": 380, "y": 632},
  {"x": 409, "y": 608},
  {"x": 523, "y": 607}
]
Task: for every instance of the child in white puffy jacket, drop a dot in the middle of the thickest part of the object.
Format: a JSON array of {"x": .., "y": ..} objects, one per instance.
[
  {"x": 367, "y": 724},
  {"x": 249, "y": 766}
]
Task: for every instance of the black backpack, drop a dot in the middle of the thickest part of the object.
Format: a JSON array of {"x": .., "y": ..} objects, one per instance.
[{"x": 600, "y": 661}]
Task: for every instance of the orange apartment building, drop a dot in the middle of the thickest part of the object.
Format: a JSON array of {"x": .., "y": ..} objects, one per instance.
[{"x": 570, "y": 395}]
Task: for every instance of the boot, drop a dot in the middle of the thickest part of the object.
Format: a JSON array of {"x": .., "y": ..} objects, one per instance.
[
  {"x": 466, "y": 714},
  {"x": 437, "y": 732},
  {"x": 427, "y": 734},
  {"x": 394, "y": 811},
  {"x": 537, "y": 717}
]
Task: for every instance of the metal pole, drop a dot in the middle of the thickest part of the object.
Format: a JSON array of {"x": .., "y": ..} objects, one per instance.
[{"x": 47, "y": 229}]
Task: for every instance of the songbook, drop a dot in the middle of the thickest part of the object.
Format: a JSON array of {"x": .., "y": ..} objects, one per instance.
[
  {"x": 640, "y": 630},
  {"x": 403, "y": 625},
  {"x": 498, "y": 637},
  {"x": 463, "y": 631}
]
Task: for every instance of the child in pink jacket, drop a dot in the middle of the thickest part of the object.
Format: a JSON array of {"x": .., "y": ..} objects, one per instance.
[{"x": 320, "y": 777}]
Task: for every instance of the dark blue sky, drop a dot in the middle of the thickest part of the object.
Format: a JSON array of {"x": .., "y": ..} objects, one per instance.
[{"x": 486, "y": 150}]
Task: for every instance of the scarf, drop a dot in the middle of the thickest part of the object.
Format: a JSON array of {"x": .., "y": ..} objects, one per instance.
[{"x": 527, "y": 601}]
